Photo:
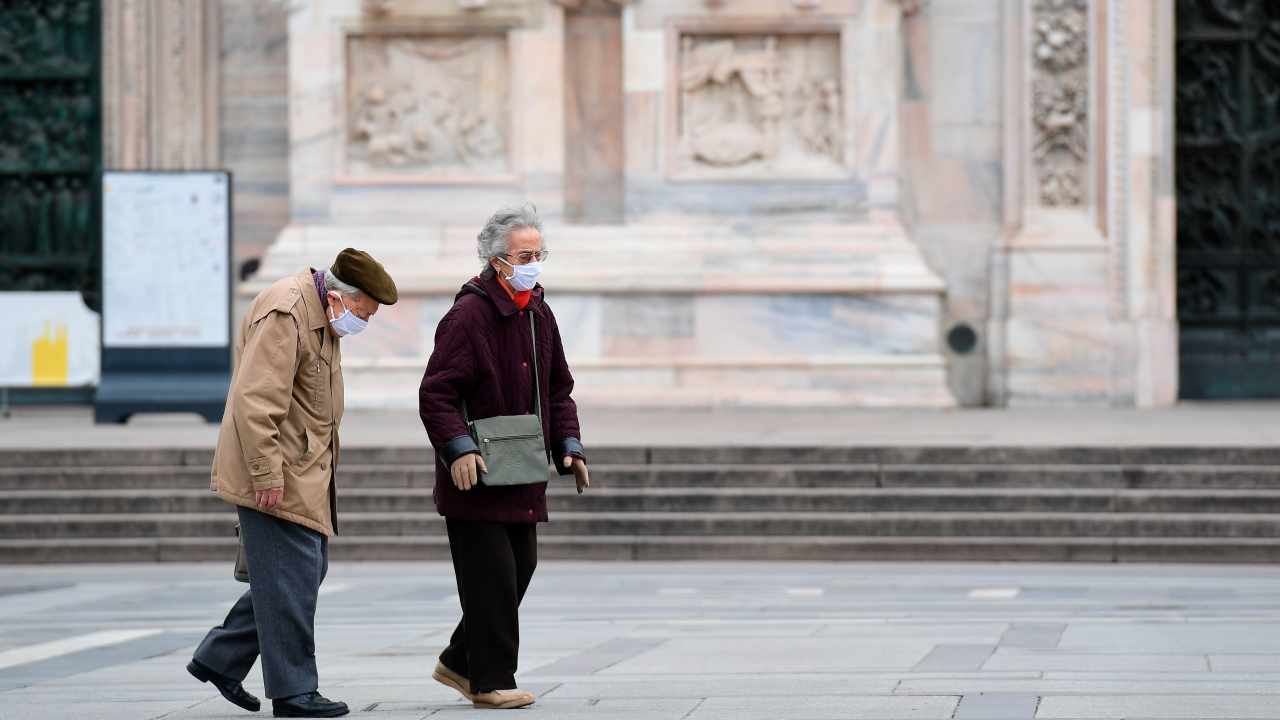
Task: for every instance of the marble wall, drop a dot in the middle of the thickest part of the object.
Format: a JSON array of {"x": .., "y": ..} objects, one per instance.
[
  {"x": 758, "y": 255},
  {"x": 953, "y": 134},
  {"x": 1083, "y": 279},
  {"x": 197, "y": 84},
  {"x": 255, "y": 119},
  {"x": 1021, "y": 152},
  {"x": 161, "y": 84}
]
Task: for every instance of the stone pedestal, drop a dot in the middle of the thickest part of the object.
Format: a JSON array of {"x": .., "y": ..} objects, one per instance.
[{"x": 746, "y": 246}]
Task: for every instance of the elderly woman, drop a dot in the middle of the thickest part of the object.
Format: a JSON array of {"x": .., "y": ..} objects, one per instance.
[{"x": 484, "y": 366}]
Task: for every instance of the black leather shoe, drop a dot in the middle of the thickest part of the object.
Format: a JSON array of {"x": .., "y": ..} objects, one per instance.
[
  {"x": 232, "y": 690},
  {"x": 308, "y": 705}
]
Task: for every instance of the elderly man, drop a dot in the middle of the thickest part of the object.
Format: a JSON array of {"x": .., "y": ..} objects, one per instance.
[
  {"x": 484, "y": 366},
  {"x": 276, "y": 458}
]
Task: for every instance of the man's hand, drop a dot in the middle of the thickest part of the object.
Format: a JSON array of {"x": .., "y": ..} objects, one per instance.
[
  {"x": 270, "y": 498},
  {"x": 580, "y": 474},
  {"x": 466, "y": 471}
]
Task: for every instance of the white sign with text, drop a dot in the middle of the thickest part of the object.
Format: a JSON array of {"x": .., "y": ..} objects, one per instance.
[{"x": 165, "y": 259}]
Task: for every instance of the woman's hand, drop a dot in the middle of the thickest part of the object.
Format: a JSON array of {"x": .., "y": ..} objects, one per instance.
[
  {"x": 580, "y": 474},
  {"x": 466, "y": 471}
]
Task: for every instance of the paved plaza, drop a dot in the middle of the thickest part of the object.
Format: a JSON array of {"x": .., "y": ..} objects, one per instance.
[{"x": 700, "y": 641}]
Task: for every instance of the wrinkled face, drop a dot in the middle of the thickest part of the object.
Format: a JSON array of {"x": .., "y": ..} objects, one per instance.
[
  {"x": 523, "y": 248},
  {"x": 363, "y": 307}
]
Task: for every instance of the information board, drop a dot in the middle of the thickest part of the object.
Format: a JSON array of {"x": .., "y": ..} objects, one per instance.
[
  {"x": 166, "y": 253},
  {"x": 166, "y": 294}
]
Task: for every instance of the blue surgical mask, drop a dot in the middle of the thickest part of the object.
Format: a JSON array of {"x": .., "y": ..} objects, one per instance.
[
  {"x": 347, "y": 323},
  {"x": 523, "y": 277}
]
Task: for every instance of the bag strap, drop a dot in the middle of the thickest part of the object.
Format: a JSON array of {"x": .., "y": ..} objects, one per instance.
[{"x": 537, "y": 377}]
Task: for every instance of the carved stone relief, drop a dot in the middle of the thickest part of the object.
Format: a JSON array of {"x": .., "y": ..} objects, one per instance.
[
  {"x": 759, "y": 105},
  {"x": 428, "y": 105},
  {"x": 1060, "y": 99}
]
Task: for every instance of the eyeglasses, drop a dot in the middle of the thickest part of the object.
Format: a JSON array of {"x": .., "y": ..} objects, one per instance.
[{"x": 529, "y": 256}]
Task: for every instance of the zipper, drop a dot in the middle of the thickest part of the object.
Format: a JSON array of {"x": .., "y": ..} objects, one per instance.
[{"x": 510, "y": 437}]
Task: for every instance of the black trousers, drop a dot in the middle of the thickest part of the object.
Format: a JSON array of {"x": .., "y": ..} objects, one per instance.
[
  {"x": 276, "y": 616},
  {"x": 493, "y": 564}
]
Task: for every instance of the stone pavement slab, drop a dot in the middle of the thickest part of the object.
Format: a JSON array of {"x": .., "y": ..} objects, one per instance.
[
  {"x": 727, "y": 656},
  {"x": 955, "y": 658},
  {"x": 1140, "y": 707},
  {"x": 1021, "y": 659},
  {"x": 986, "y": 706},
  {"x": 613, "y": 641}
]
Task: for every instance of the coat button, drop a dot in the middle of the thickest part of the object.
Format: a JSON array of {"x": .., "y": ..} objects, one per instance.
[{"x": 524, "y": 364}]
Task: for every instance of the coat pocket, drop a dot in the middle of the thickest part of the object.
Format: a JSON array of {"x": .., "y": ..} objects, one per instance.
[{"x": 315, "y": 449}]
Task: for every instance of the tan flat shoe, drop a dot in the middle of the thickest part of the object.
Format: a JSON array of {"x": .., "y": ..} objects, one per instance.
[
  {"x": 503, "y": 699},
  {"x": 443, "y": 675}
]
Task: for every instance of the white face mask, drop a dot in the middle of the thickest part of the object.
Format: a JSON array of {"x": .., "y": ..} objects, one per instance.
[
  {"x": 523, "y": 277},
  {"x": 347, "y": 323}
]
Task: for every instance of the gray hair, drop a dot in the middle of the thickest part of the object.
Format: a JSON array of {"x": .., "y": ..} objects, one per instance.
[
  {"x": 495, "y": 238},
  {"x": 332, "y": 283}
]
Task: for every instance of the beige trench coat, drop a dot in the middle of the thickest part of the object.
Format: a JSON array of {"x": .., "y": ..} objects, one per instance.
[{"x": 280, "y": 428}]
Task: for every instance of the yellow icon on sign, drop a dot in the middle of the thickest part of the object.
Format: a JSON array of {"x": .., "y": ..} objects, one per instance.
[{"x": 50, "y": 357}]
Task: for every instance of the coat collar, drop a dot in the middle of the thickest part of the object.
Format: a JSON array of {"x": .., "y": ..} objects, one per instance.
[
  {"x": 311, "y": 299},
  {"x": 488, "y": 282}
]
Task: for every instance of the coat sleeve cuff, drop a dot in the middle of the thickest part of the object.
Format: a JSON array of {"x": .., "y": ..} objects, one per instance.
[
  {"x": 266, "y": 474},
  {"x": 456, "y": 448},
  {"x": 569, "y": 446}
]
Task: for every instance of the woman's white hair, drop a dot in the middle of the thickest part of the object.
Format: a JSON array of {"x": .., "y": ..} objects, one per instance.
[
  {"x": 494, "y": 240},
  {"x": 332, "y": 283}
]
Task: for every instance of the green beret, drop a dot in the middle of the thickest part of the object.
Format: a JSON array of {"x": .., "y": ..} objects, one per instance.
[{"x": 357, "y": 268}]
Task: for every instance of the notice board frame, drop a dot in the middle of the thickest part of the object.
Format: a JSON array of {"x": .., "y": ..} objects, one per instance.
[{"x": 164, "y": 379}]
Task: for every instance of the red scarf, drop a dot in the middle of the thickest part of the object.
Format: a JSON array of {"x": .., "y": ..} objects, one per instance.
[{"x": 522, "y": 298}]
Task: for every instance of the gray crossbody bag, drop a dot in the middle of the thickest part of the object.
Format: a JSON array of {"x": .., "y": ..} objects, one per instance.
[{"x": 512, "y": 445}]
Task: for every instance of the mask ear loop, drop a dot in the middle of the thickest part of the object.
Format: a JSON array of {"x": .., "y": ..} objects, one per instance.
[
  {"x": 330, "y": 309},
  {"x": 506, "y": 277}
]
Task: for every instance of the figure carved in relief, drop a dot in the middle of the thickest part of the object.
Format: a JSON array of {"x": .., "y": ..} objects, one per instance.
[
  {"x": 760, "y": 103},
  {"x": 820, "y": 126},
  {"x": 429, "y": 103},
  {"x": 742, "y": 126}
]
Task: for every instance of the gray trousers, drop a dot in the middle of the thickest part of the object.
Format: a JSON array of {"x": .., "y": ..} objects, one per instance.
[{"x": 275, "y": 618}]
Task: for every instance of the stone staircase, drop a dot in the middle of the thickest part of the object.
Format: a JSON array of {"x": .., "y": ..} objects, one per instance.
[{"x": 839, "y": 503}]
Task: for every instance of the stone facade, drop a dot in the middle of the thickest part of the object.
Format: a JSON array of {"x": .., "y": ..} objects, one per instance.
[{"x": 846, "y": 202}]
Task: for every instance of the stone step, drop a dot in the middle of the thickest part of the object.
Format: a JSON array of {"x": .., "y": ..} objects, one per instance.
[
  {"x": 695, "y": 476},
  {"x": 202, "y": 459},
  {"x": 22, "y": 502},
  {"x": 218, "y": 525},
  {"x": 808, "y": 548},
  {"x": 1221, "y": 457}
]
